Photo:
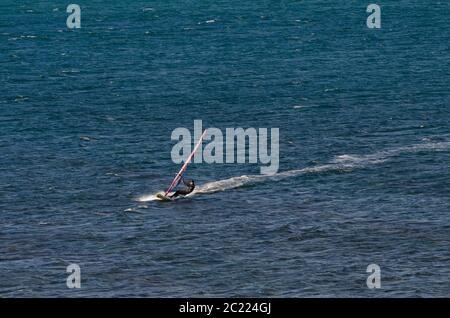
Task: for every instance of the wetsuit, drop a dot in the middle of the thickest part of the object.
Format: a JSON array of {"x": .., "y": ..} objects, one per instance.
[{"x": 190, "y": 186}]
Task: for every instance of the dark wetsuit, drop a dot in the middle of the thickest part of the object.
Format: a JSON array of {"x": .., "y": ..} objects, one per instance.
[{"x": 190, "y": 186}]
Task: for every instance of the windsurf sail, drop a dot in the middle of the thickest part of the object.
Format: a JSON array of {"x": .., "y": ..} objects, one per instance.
[{"x": 180, "y": 173}]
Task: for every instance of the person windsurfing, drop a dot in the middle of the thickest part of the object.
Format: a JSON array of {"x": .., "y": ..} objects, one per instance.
[{"x": 190, "y": 186}]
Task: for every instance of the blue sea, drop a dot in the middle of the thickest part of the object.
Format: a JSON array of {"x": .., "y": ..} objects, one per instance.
[{"x": 86, "y": 117}]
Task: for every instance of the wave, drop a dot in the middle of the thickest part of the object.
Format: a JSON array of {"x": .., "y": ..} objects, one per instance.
[{"x": 346, "y": 162}]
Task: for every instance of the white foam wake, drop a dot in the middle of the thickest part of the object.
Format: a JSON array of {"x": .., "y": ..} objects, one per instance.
[
  {"x": 147, "y": 197},
  {"x": 339, "y": 163}
]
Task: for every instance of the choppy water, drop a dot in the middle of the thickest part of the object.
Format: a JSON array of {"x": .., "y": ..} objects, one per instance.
[{"x": 85, "y": 124}]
